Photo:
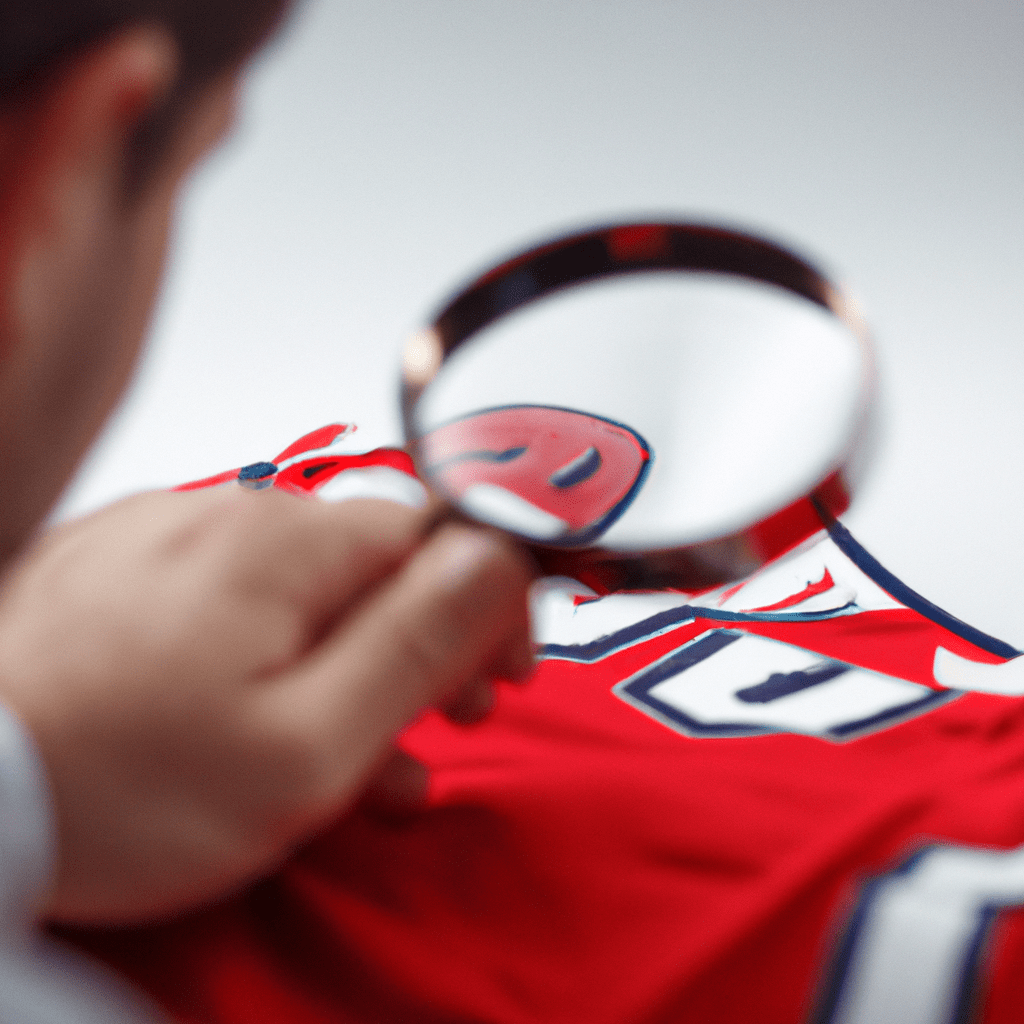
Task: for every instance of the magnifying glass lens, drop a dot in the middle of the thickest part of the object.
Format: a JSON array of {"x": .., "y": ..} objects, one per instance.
[{"x": 654, "y": 408}]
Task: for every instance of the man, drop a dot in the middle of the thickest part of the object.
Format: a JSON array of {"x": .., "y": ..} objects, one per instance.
[
  {"x": 761, "y": 803},
  {"x": 180, "y": 715}
]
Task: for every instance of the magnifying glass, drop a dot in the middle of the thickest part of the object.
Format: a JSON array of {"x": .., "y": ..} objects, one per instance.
[{"x": 645, "y": 405}]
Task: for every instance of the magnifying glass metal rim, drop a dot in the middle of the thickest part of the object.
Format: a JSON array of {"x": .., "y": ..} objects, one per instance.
[{"x": 639, "y": 248}]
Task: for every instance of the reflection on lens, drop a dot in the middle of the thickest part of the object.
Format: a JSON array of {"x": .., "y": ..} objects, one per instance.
[
  {"x": 564, "y": 368},
  {"x": 746, "y": 392},
  {"x": 548, "y": 473}
]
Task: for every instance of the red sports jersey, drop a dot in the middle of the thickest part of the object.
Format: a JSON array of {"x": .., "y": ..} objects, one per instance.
[{"x": 757, "y": 804}]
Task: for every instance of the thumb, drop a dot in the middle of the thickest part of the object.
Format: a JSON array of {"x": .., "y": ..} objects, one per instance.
[{"x": 456, "y": 610}]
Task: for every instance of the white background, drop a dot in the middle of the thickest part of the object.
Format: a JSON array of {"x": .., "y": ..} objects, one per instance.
[{"x": 390, "y": 148}]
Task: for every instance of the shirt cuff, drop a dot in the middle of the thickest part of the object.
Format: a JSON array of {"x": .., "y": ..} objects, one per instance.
[{"x": 27, "y": 828}]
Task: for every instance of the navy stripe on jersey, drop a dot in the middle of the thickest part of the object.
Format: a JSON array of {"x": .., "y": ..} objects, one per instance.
[{"x": 871, "y": 567}]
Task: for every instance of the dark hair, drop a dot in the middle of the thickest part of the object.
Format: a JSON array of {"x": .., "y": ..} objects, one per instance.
[
  {"x": 36, "y": 36},
  {"x": 212, "y": 34}
]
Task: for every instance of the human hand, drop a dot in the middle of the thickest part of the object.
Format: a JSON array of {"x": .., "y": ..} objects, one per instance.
[{"x": 212, "y": 676}]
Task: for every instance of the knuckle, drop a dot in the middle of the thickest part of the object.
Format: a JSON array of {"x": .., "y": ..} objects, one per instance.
[
  {"x": 382, "y": 528},
  {"x": 293, "y": 765},
  {"x": 490, "y": 578},
  {"x": 426, "y": 655}
]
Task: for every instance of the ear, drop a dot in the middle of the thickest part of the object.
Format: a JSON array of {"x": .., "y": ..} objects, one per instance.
[
  {"x": 65, "y": 151},
  {"x": 79, "y": 122},
  {"x": 81, "y": 261},
  {"x": 64, "y": 233}
]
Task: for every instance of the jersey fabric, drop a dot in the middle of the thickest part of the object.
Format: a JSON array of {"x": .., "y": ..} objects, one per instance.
[{"x": 753, "y": 804}]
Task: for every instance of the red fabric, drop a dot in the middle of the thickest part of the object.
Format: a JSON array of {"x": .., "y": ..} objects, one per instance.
[
  {"x": 320, "y": 438},
  {"x": 823, "y": 586},
  {"x": 312, "y": 473},
  {"x": 580, "y": 862},
  {"x": 307, "y": 475}
]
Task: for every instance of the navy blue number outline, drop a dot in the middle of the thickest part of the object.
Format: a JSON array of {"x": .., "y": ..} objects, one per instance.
[{"x": 969, "y": 984}]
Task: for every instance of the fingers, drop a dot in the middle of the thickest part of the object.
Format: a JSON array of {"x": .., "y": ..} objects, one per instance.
[
  {"x": 316, "y": 554},
  {"x": 476, "y": 699},
  {"x": 311, "y": 552},
  {"x": 398, "y": 784},
  {"x": 472, "y": 703},
  {"x": 453, "y": 612},
  {"x": 233, "y": 668}
]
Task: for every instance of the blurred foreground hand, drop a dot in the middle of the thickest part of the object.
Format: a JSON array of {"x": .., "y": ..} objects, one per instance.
[{"x": 212, "y": 676}]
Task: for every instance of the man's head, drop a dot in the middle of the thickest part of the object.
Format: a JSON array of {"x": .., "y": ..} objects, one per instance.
[
  {"x": 210, "y": 36},
  {"x": 105, "y": 106}
]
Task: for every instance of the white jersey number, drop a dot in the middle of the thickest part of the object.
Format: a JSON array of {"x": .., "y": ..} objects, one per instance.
[
  {"x": 914, "y": 950},
  {"x": 727, "y": 682}
]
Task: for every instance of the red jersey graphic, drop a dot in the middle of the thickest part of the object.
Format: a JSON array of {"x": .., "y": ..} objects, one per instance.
[
  {"x": 579, "y": 471},
  {"x": 754, "y": 804},
  {"x": 305, "y": 466}
]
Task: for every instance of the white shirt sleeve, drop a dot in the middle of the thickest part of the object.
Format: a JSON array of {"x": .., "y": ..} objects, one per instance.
[{"x": 42, "y": 981}]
